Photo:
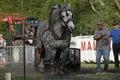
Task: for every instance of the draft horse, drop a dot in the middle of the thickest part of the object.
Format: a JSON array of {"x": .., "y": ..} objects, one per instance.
[{"x": 53, "y": 38}]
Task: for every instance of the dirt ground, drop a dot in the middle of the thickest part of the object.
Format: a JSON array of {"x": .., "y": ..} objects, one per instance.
[{"x": 87, "y": 72}]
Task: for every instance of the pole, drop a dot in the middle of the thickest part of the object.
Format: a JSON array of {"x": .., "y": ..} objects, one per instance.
[
  {"x": 24, "y": 55},
  {"x": 23, "y": 37},
  {"x": 7, "y": 76}
]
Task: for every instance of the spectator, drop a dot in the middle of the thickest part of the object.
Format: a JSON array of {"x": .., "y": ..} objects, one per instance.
[
  {"x": 101, "y": 35},
  {"x": 29, "y": 31},
  {"x": 2, "y": 45},
  {"x": 115, "y": 35}
]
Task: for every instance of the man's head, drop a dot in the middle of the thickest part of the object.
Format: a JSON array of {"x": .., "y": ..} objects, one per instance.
[
  {"x": 116, "y": 26},
  {"x": 1, "y": 36},
  {"x": 100, "y": 24},
  {"x": 116, "y": 23}
]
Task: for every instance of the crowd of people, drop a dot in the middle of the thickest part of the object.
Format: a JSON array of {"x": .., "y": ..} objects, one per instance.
[{"x": 103, "y": 37}]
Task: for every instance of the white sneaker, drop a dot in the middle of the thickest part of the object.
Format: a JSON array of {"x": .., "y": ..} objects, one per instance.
[{"x": 98, "y": 72}]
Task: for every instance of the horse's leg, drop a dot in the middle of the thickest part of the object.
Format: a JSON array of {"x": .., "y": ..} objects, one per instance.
[
  {"x": 63, "y": 60},
  {"x": 46, "y": 59},
  {"x": 56, "y": 60},
  {"x": 38, "y": 60},
  {"x": 49, "y": 60}
]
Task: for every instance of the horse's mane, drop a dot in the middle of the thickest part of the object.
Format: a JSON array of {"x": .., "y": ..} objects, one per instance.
[
  {"x": 55, "y": 19},
  {"x": 54, "y": 15}
]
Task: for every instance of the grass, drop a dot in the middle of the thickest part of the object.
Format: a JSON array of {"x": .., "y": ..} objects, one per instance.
[
  {"x": 84, "y": 65},
  {"x": 87, "y": 72}
]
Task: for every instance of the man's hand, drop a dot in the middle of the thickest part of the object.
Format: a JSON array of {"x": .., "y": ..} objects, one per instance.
[{"x": 105, "y": 37}]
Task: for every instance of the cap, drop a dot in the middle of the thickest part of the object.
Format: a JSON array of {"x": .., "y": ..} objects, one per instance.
[
  {"x": 115, "y": 23},
  {"x": 1, "y": 35}
]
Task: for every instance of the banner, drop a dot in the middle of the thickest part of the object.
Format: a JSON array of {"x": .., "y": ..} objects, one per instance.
[{"x": 87, "y": 46}]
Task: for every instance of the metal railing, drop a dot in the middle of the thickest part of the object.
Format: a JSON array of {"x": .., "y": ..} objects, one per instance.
[{"x": 13, "y": 62}]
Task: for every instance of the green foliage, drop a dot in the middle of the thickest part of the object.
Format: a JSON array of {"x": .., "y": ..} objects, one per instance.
[
  {"x": 86, "y": 23},
  {"x": 85, "y": 17},
  {"x": 5, "y": 31}
]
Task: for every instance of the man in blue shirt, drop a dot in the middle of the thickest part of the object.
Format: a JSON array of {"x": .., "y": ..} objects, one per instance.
[{"x": 115, "y": 35}]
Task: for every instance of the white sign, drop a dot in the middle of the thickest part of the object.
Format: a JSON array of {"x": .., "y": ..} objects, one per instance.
[{"x": 87, "y": 46}]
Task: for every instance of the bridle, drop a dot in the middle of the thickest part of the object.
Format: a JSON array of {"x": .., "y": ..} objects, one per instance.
[
  {"x": 65, "y": 23},
  {"x": 62, "y": 9}
]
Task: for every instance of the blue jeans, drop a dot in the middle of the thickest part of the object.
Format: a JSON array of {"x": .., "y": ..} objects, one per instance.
[
  {"x": 2, "y": 53},
  {"x": 105, "y": 53}
]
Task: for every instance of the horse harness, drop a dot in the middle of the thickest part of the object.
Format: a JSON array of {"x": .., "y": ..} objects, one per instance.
[{"x": 56, "y": 37}]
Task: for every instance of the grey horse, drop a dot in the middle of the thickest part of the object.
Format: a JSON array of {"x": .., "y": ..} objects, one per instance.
[{"x": 53, "y": 38}]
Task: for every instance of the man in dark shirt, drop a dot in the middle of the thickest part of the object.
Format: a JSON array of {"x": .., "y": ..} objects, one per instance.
[
  {"x": 101, "y": 36},
  {"x": 115, "y": 35}
]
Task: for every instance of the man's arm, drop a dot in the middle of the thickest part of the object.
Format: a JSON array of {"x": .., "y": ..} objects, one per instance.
[
  {"x": 106, "y": 34},
  {"x": 110, "y": 39},
  {"x": 97, "y": 35}
]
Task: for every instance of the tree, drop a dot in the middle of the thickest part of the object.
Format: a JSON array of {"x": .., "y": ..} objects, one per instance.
[{"x": 85, "y": 12}]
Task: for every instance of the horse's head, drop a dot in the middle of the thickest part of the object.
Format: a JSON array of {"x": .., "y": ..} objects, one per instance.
[
  {"x": 67, "y": 18},
  {"x": 64, "y": 14}
]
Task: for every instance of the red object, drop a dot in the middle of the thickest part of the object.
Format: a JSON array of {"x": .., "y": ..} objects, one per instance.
[
  {"x": 13, "y": 20},
  {"x": 11, "y": 28},
  {"x": 11, "y": 24},
  {"x": 10, "y": 20}
]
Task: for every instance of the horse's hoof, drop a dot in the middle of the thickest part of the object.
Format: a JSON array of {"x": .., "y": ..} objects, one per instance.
[
  {"x": 54, "y": 73},
  {"x": 41, "y": 70},
  {"x": 61, "y": 72}
]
